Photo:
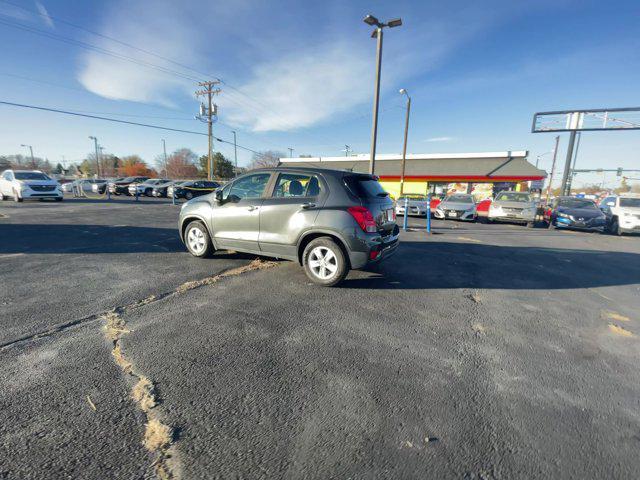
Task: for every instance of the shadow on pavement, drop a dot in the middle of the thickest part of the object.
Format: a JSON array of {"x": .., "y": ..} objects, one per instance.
[
  {"x": 62, "y": 238},
  {"x": 438, "y": 265}
]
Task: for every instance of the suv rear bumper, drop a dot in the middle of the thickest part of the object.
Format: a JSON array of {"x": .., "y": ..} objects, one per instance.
[{"x": 376, "y": 248}]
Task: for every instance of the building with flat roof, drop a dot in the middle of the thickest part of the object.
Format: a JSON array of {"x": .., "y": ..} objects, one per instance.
[{"x": 440, "y": 172}]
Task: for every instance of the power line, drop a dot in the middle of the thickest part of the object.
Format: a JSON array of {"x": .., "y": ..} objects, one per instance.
[
  {"x": 95, "y": 48},
  {"x": 115, "y": 120},
  {"x": 107, "y": 37}
]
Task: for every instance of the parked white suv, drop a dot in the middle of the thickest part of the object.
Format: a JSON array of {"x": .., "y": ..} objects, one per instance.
[
  {"x": 622, "y": 212},
  {"x": 29, "y": 184}
]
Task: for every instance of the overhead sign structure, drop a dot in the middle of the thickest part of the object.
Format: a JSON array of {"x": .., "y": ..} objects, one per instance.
[
  {"x": 584, "y": 121},
  {"x": 587, "y": 120}
]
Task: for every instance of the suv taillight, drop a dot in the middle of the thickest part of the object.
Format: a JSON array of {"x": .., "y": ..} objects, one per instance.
[{"x": 364, "y": 218}]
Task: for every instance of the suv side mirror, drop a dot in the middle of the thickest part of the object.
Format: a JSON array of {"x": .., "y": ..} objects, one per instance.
[
  {"x": 218, "y": 195},
  {"x": 611, "y": 204}
]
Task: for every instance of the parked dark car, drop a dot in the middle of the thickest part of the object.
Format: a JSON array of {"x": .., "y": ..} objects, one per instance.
[
  {"x": 193, "y": 189},
  {"x": 329, "y": 221},
  {"x": 121, "y": 187},
  {"x": 575, "y": 213}
]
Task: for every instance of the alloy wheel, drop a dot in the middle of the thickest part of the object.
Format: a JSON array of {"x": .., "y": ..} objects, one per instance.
[
  {"x": 323, "y": 262},
  {"x": 196, "y": 240}
]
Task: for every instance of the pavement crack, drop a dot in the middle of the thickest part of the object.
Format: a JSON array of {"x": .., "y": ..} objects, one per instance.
[
  {"x": 256, "y": 264},
  {"x": 159, "y": 438}
]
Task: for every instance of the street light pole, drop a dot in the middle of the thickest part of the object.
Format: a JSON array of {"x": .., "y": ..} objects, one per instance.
[
  {"x": 378, "y": 35},
  {"x": 95, "y": 142},
  {"x": 376, "y": 101},
  {"x": 406, "y": 133}
]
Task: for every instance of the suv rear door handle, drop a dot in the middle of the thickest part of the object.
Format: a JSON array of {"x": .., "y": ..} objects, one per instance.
[{"x": 308, "y": 205}]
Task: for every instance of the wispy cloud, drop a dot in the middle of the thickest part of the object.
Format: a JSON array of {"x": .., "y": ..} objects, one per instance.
[
  {"x": 439, "y": 139},
  {"x": 282, "y": 79},
  {"x": 46, "y": 18}
]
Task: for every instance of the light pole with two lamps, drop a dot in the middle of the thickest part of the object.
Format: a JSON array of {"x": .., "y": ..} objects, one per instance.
[{"x": 378, "y": 34}]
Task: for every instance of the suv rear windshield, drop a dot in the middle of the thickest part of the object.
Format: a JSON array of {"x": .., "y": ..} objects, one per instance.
[
  {"x": 30, "y": 176},
  {"x": 365, "y": 187},
  {"x": 630, "y": 202}
]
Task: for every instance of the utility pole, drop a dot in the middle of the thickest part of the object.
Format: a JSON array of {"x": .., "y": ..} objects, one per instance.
[
  {"x": 553, "y": 167},
  {"x": 406, "y": 133},
  {"x": 208, "y": 112},
  {"x": 347, "y": 150},
  {"x": 33, "y": 162},
  {"x": 164, "y": 149},
  {"x": 235, "y": 151},
  {"x": 95, "y": 141},
  {"x": 290, "y": 152}
]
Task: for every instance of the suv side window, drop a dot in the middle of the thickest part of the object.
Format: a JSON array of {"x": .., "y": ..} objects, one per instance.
[
  {"x": 296, "y": 185},
  {"x": 251, "y": 186}
]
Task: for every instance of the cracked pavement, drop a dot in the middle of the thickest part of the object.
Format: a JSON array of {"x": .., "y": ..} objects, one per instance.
[{"x": 483, "y": 351}]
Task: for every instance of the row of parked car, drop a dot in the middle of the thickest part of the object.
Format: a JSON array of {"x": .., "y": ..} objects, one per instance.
[
  {"x": 617, "y": 214},
  {"x": 143, "y": 186}
]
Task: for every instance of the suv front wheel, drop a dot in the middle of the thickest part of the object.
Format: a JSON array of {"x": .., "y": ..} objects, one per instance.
[
  {"x": 197, "y": 239},
  {"x": 324, "y": 262}
]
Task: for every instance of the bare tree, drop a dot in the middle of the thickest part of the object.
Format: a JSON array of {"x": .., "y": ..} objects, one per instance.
[{"x": 266, "y": 159}]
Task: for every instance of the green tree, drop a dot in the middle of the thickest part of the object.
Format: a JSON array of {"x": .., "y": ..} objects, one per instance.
[
  {"x": 223, "y": 166},
  {"x": 59, "y": 169}
]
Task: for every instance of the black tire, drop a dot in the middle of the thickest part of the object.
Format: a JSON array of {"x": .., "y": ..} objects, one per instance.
[
  {"x": 336, "y": 258},
  {"x": 16, "y": 197},
  {"x": 197, "y": 230},
  {"x": 615, "y": 227},
  {"x": 59, "y": 199},
  {"x": 531, "y": 224},
  {"x": 188, "y": 195}
]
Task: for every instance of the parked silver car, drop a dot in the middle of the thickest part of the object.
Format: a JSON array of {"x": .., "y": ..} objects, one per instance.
[
  {"x": 459, "y": 206},
  {"x": 515, "y": 207},
  {"x": 416, "y": 204},
  {"x": 327, "y": 220}
]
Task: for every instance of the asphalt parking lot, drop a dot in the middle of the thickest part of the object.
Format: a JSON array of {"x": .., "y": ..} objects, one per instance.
[{"x": 478, "y": 352}]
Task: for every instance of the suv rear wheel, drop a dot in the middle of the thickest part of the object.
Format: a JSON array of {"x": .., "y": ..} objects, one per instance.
[
  {"x": 324, "y": 262},
  {"x": 197, "y": 239}
]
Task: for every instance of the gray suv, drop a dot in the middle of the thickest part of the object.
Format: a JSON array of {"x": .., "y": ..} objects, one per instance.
[{"x": 329, "y": 221}]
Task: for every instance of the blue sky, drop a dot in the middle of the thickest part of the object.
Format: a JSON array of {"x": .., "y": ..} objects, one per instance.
[{"x": 300, "y": 74}]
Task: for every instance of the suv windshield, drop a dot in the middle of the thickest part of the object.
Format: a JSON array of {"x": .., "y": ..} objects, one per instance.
[
  {"x": 576, "y": 203},
  {"x": 630, "y": 202},
  {"x": 30, "y": 176},
  {"x": 513, "y": 197},
  {"x": 365, "y": 187}
]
